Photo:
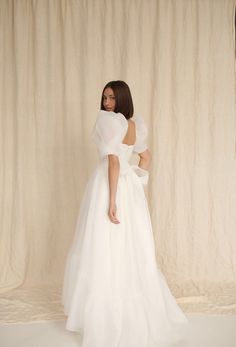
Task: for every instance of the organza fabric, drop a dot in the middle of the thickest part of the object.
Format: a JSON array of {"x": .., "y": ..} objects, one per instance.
[{"x": 114, "y": 294}]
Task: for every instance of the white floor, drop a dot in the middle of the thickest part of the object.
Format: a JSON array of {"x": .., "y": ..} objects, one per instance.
[{"x": 205, "y": 331}]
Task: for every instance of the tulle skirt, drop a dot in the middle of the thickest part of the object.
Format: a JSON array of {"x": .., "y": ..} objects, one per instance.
[{"x": 114, "y": 294}]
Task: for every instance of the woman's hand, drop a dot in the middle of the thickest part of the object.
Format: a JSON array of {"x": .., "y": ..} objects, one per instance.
[{"x": 112, "y": 213}]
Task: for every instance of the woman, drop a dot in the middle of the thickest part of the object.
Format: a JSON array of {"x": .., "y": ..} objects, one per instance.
[{"x": 114, "y": 294}]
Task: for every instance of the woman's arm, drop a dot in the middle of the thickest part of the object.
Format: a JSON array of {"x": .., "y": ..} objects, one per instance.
[
  {"x": 145, "y": 159},
  {"x": 113, "y": 175}
]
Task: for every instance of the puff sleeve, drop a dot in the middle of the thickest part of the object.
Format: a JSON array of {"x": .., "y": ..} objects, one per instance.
[
  {"x": 141, "y": 135},
  {"x": 108, "y": 132}
]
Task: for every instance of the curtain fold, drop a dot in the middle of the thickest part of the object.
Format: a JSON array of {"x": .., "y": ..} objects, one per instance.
[{"x": 178, "y": 59}]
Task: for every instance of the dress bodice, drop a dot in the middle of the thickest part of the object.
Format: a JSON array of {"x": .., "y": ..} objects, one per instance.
[
  {"x": 125, "y": 167},
  {"x": 125, "y": 152},
  {"x": 108, "y": 133},
  {"x": 124, "y": 156}
]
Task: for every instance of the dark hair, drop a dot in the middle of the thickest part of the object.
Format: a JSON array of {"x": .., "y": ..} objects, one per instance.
[{"x": 124, "y": 102}]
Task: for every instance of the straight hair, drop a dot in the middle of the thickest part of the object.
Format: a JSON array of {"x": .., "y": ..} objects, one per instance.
[{"x": 123, "y": 98}]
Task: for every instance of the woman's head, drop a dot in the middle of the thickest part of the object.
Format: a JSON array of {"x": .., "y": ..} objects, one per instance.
[{"x": 116, "y": 97}]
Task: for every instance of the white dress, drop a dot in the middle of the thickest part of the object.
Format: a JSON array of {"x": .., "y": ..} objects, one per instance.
[{"x": 113, "y": 293}]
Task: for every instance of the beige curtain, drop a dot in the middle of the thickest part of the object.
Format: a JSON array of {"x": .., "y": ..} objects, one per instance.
[{"x": 178, "y": 58}]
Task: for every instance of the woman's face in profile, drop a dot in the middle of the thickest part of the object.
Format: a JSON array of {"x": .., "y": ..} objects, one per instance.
[{"x": 109, "y": 101}]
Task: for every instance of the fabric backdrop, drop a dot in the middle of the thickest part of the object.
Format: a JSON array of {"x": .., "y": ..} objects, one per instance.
[{"x": 178, "y": 59}]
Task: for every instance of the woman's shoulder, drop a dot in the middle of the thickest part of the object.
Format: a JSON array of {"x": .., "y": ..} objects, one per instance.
[
  {"x": 111, "y": 115},
  {"x": 140, "y": 123},
  {"x": 137, "y": 118},
  {"x": 111, "y": 119}
]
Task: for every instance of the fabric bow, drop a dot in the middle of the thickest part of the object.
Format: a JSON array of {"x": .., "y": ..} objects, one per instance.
[{"x": 141, "y": 173}]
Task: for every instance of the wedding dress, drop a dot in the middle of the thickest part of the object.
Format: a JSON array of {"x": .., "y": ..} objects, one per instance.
[{"x": 114, "y": 294}]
